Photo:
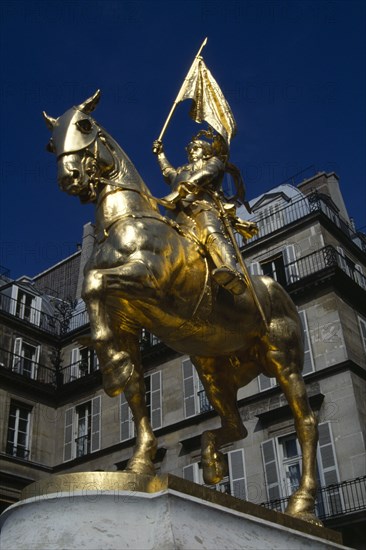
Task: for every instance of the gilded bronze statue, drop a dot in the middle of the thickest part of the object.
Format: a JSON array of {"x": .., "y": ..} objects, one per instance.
[{"x": 148, "y": 271}]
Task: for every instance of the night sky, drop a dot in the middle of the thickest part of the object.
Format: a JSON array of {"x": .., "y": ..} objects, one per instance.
[{"x": 293, "y": 73}]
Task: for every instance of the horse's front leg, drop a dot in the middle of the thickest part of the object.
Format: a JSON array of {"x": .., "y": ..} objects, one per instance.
[{"x": 118, "y": 351}]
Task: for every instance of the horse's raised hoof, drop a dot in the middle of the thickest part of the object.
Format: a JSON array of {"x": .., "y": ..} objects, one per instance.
[{"x": 214, "y": 468}]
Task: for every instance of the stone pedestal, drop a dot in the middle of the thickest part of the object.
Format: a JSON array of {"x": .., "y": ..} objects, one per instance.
[{"x": 115, "y": 511}]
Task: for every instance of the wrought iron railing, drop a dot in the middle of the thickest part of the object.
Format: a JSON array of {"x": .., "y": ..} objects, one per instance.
[
  {"x": 77, "y": 370},
  {"x": 26, "y": 367},
  {"x": 274, "y": 218},
  {"x": 29, "y": 314},
  {"x": 334, "y": 500},
  {"x": 320, "y": 260},
  {"x": 82, "y": 445}
]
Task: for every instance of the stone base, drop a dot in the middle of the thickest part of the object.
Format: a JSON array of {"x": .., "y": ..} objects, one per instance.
[{"x": 115, "y": 511}]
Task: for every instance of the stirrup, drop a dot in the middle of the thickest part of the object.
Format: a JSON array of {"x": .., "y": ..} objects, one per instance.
[{"x": 231, "y": 280}]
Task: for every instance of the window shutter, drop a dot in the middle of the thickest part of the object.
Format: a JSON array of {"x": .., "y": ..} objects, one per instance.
[
  {"x": 265, "y": 382},
  {"x": 155, "y": 388},
  {"x": 291, "y": 269},
  {"x": 36, "y": 310},
  {"x": 126, "y": 426},
  {"x": 328, "y": 470},
  {"x": 191, "y": 472},
  {"x": 271, "y": 469},
  {"x": 13, "y": 301},
  {"x": 360, "y": 276},
  {"x": 17, "y": 359},
  {"x": 189, "y": 388},
  {"x": 255, "y": 268},
  {"x": 36, "y": 362},
  {"x": 95, "y": 424},
  {"x": 75, "y": 362},
  {"x": 362, "y": 324},
  {"x": 68, "y": 435},
  {"x": 237, "y": 474},
  {"x": 308, "y": 353},
  {"x": 327, "y": 455},
  {"x": 342, "y": 260}
]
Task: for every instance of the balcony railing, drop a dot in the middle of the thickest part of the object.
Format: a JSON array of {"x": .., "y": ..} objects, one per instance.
[
  {"x": 334, "y": 500},
  {"x": 26, "y": 368},
  {"x": 77, "y": 370},
  {"x": 29, "y": 314},
  {"x": 320, "y": 260},
  {"x": 274, "y": 218}
]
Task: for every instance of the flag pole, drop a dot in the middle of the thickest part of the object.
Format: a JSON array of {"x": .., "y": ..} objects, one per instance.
[{"x": 177, "y": 100}]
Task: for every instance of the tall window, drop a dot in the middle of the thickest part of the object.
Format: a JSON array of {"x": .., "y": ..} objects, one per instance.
[
  {"x": 25, "y": 358},
  {"x": 18, "y": 441},
  {"x": 282, "y": 266},
  {"x": 82, "y": 429},
  {"x": 153, "y": 403},
  {"x": 25, "y": 305},
  {"x": 83, "y": 361}
]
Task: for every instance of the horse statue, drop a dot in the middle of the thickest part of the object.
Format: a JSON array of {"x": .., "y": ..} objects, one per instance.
[{"x": 147, "y": 271}]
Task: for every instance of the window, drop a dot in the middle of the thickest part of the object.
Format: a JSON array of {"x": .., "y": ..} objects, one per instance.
[
  {"x": 282, "y": 266},
  {"x": 26, "y": 306},
  {"x": 153, "y": 403},
  {"x": 25, "y": 358},
  {"x": 233, "y": 484},
  {"x": 83, "y": 361},
  {"x": 282, "y": 463},
  {"x": 18, "y": 441},
  {"x": 82, "y": 429},
  {"x": 362, "y": 324}
]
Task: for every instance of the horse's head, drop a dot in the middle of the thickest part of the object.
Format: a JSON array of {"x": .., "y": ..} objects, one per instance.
[{"x": 80, "y": 156}]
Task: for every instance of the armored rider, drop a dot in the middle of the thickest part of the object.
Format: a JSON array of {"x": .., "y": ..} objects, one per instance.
[{"x": 196, "y": 187}]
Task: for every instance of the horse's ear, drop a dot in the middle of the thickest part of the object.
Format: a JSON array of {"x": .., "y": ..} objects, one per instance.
[
  {"x": 49, "y": 121},
  {"x": 89, "y": 105}
]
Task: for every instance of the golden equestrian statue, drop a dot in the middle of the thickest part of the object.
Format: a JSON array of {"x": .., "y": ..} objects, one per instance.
[{"x": 148, "y": 270}]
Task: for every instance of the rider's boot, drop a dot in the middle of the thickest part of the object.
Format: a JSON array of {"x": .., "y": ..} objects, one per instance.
[{"x": 223, "y": 256}]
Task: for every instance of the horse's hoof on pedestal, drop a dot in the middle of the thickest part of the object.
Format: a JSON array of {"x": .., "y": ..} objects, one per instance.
[
  {"x": 140, "y": 467},
  {"x": 307, "y": 516}
]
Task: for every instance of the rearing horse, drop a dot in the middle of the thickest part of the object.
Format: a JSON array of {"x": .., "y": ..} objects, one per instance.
[{"x": 145, "y": 271}]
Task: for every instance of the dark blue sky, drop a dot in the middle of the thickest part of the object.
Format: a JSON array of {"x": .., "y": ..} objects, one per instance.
[{"x": 293, "y": 73}]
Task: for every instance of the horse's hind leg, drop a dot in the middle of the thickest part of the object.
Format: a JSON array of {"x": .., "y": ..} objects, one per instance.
[
  {"x": 218, "y": 378},
  {"x": 284, "y": 365}
]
